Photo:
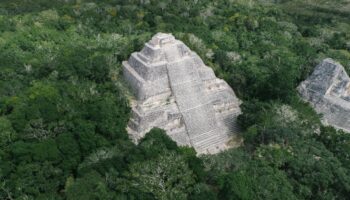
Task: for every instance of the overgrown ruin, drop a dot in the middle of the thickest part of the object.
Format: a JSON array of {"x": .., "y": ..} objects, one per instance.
[
  {"x": 328, "y": 91},
  {"x": 177, "y": 92}
]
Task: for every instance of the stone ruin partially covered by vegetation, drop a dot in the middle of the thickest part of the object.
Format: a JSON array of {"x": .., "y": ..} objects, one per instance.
[
  {"x": 177, "y": 92},
  {"x": 328, "y": 91}
]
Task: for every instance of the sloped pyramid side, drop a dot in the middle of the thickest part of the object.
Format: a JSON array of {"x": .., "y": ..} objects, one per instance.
[
  {"x": 175, "y": 91},
  {"x": 328, "y": 91}
]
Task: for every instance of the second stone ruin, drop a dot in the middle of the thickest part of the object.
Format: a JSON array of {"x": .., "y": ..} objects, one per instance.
[
  {"x": 328, "y": 91},
  {"x": 177, "y": 92}
]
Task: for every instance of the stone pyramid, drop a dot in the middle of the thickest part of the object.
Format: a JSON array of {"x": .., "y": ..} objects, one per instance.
[
  {"x": 177, "y": 92},
  {"x": 328, "y": 91}
]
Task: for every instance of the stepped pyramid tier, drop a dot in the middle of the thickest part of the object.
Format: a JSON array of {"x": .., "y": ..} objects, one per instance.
[
  {"x": 328, "y": 91},
  {"x": 177, "y": 92}
]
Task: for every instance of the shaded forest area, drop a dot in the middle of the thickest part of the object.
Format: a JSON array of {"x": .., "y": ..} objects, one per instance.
[{"x": 64, "y": 105}]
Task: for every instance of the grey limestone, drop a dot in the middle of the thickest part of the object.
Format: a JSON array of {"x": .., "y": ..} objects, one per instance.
[
  {"x": 177, "y": 92},
  {"x": 328, "y": 91}
]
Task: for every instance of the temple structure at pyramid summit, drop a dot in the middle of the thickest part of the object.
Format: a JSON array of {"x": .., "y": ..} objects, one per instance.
[
  {"x": 328, "y": 91},
  {"x": 177, "y": 92}
]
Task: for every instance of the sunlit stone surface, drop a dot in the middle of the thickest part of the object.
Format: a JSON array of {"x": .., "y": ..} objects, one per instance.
[
  {"x": 177, "y": 92},
  {"x": 328, "y": 91}
]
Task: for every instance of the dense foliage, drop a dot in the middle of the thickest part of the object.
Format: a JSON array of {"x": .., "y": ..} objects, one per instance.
[{"x": 64, "y": 105}]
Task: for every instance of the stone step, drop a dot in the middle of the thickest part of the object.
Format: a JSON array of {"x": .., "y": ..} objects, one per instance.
[
  {"x": 216, "y": 138},
  {"x": 143, "y": 58},
  {"x": 138, "y": 65},
  {"x": 212, "y": 144},
  {"x": 203, "y": 136},
  {"x": 182, "y": 71},
  {"x": 234, "y": 128},
  {"x": 211, "y": 150},
  {"x": 231, "y": 123},
  {"x": 219, "y": 140},
  {"x": 133, "y": 73},
  {"x": 200, "y": 120}
]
